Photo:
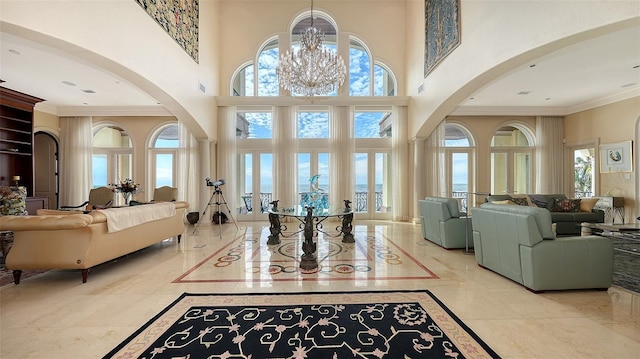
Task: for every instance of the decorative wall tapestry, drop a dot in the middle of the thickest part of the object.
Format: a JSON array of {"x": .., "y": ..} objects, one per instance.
[
  {"x": 179, "y": 18},
  {"x": 442, "y": 31}
]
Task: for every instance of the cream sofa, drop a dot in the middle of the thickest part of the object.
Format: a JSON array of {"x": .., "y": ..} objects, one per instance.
[{"x": 75, "y": 240}]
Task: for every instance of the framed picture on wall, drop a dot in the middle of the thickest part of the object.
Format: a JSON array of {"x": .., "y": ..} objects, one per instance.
[{"x": 616, "y": 157}]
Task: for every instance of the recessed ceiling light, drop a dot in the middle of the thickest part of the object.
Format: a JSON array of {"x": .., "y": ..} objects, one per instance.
[
  {"x": 547, "y": 99},
  {"x": 524, "y": 92},
  {"x": 628, "y": 85},
  {"x": 88, "y": 91},
  {"x": 68, "y": 83},
  {"x": 85, "y": 103},
  {"x": 472, "y": 98},
  {"x": 636, "y": 67},
  {"x": 15, "y": 52},
  {"x": 532, "y": 65}
]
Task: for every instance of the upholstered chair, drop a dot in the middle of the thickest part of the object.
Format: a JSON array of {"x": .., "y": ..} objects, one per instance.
[
  {"x": 165, "y": 194},
  {"x": 99, "y": 198}
]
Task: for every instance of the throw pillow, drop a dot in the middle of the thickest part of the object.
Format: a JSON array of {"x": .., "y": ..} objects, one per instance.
[
  {"x": 587, "y": 204},
  {"x": 566, "y": 205},
  {"x": 506, "y": 201},
  {"x": 521, "y": 201}
]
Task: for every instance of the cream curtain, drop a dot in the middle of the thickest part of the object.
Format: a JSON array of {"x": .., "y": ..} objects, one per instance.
[
  {"x": 227, "y": 157},
  {"x": 400, "y": 166},
  {"x": 436, "y": 162},
  {"x": 188, "y": 172},
  {"x": 549, "y": 154},
  {"x": 341, "y": 161},
  {"x": 76, "y": 148},
  {"x": 285, "y": 147}
]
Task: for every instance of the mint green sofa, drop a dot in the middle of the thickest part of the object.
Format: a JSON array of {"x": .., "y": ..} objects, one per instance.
[
  {"x": 518, "y": 243},
  {"x": 444, "y": 224}
]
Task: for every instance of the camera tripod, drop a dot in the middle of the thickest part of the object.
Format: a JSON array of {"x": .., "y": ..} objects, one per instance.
[{"x": 219, "y": 201}]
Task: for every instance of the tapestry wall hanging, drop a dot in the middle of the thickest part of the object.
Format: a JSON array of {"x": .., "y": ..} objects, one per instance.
[
  {"x": 442, "y": 31},
  {"x": 179, "y": 18}
]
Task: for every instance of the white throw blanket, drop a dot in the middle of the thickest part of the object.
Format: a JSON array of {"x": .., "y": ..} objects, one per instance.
[{"x": 126, "y": 217}]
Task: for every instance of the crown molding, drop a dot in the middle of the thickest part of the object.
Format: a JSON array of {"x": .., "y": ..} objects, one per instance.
[
  {"x": 543, "y": 110},
  {"x": 607, "y": 100},
  {"x": 104, "y": 110}
]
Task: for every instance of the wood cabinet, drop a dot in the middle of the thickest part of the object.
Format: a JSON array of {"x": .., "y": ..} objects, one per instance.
[{"x": 16, "y": 138}]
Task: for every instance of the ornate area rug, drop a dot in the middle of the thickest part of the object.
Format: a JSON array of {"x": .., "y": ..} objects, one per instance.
[
  {"x": 398, "y": 324},
  {"x": 373, "y": 256}
]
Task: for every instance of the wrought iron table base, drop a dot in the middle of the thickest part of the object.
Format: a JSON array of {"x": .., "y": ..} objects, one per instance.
[{"x": 310, "y": 225}]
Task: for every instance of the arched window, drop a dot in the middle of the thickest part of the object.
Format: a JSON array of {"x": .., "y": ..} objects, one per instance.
[
  {"x": 243, "y": 82},
  {"x": 267, "y": 63},
  {"x": 512, "y": 148},
  {"x": 359, "y": 69},
  {"x": 460, "y": 163},
  {"x": 163, "y": 151},
  {"x": 384, "y": 84},
  {"x": 112, "y": 159}
]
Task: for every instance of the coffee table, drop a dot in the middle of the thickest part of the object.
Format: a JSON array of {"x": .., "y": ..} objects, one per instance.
[{"x": 310, "y": 224}]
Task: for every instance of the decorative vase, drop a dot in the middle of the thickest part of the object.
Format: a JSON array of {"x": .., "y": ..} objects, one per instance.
[{"x": 127, "y": 197}]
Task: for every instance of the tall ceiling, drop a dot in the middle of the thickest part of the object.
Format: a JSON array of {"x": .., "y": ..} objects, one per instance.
[{"x": 578, "y": 77}]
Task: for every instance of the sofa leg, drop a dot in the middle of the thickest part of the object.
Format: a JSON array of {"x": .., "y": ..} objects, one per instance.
[
  {"x": 16, "y": 276},
  {"x": 179, "y": 237},
  {"x": 534, "y": 291},
  {"x": 85, "y": 274}
]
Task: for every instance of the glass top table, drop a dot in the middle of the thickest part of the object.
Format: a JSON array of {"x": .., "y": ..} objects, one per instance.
[{"x": 310, "y": 224}]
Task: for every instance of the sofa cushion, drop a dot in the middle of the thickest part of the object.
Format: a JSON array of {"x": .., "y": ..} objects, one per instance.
[
  {"x": 566, "y": 205},
  {"x": 587, "y": 204}
]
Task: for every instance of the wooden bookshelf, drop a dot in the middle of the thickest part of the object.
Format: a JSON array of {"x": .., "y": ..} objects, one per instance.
[{"x": 16, "y": 138}]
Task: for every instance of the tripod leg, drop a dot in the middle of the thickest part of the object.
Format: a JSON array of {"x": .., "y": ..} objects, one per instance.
[
  {"x": 224, "y": 201},
  {"x": 204, "y": 212}
]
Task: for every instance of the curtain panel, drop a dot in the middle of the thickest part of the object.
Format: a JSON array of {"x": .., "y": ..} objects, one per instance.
[
  {"x": 549, "y": 154},
  {"x": 76, "y": 149}
]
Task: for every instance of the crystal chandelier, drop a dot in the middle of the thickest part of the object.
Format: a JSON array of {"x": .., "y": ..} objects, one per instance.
[{"x": 312, "y": 69}]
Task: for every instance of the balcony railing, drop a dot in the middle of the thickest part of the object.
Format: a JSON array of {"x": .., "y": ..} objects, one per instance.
[{"x": 360, "y": 202}]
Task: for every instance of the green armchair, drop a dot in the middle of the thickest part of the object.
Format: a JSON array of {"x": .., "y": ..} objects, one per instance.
[{"x": 444, "y": 224}]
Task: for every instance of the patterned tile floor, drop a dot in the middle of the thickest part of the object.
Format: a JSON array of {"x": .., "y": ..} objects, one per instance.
[{"x": 53, "y": 315}]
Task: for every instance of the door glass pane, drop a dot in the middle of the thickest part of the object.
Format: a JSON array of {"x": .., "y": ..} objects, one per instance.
[
  {"x": 164, "y": 170},
  {"x": 304, "y": 174},
  {"x": 99, "y": 168},
  {"x": 583, "y": 163},
  {"x": 521, "y": 175},
  {"x": 460, "y": 177},
  {"x": 362, "y": 182},
  {"x": 124, "y": 167},
  {"x": 323, "y": 171},
  {"x": 266, "y": 180},
  {"x": 383, "y": 181},
  {"x": 499, "y": 173},
  {"x": 245, "y": 176}
]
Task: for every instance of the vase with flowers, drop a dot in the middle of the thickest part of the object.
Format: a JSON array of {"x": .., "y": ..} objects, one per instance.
[{"x": 127, "y": 188}]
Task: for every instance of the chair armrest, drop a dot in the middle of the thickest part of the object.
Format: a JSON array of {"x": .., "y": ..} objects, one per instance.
[{"x": 74, "y": 207}]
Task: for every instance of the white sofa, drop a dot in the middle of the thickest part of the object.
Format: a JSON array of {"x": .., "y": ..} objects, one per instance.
[{"x": 75, "y": 240}]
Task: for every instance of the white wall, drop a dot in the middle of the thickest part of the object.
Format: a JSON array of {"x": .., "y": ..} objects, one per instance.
[
  {"x": 496, "y": 37},
  {"x": 120, "y": 37}
]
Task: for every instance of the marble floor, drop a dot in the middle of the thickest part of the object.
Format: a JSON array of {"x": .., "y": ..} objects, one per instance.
[{"x": 56, "y": 316}]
